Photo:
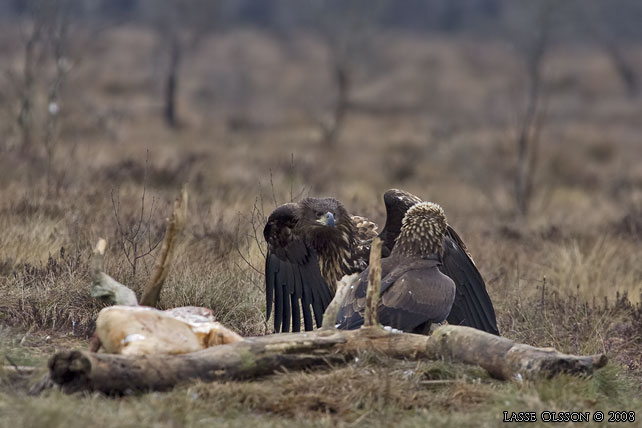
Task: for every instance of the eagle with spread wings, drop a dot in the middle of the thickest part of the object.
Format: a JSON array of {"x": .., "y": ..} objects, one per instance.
[{"x": 314, "y": 243}]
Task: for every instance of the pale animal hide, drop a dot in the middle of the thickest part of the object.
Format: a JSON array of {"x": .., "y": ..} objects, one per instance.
[{"x": 140, "y": 330}]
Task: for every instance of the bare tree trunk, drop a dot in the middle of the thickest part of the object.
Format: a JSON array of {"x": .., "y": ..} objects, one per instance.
[
  {"x": 341, "y": 77},
  {"x": 525, "y": 167},
  {"x": 625, "y": 71},
  {"x": 60, "y": 41},
  {"x": 592, "y": 18},
  {"x": 171, "y": 83},
  {"x": 25, "y": 117},
  {"x": 528, "y": 138}
]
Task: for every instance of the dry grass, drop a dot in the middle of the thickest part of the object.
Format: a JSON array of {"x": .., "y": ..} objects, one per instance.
[{"x": 456, "y": 148}]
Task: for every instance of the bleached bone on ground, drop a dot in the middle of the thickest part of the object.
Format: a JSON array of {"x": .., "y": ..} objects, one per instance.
[{"x": 257, "y": 356}]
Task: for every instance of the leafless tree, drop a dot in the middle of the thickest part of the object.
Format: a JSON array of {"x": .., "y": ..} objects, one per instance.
[
  {"x": 346, "y": 30},
  {"x": 45, "y": 35},
  {"x": 136, "y": 235},
  {"x": 32, "y": 36},
  {"x": 533, "y": 48},
  {"x": 59, "y": 30},
  {"x": 613, "y": 34},
  {"x": 180, "y": 25}
]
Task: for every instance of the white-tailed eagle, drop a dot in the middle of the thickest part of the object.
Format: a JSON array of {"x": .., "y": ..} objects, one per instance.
[{"x": 314, "y": 243}]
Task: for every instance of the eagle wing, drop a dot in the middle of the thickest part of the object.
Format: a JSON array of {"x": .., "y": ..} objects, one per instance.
[
  {"x": 472, "y": 307},
  {"x": 397, "y": 203},
  {"x": 413, "y": 293},
  {"x": 292, "y": 276}
]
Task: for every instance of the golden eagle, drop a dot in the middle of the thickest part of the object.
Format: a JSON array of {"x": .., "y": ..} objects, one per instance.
[
  {"x": 414, "y": 292},
  {"x": 314, "y": 243}
]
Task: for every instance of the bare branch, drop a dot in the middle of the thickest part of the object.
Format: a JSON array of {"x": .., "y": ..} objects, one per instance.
[
  {"x": 175, "y": 223},
  {"x": 529, "y": 129},
  {"x": 371, "y": 316},
  {"x": 276, "y": 204}
]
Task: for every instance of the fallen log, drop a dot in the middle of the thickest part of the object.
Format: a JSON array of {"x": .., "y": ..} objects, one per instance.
[
  {"x": 258, "y": 356},
  {"x": 109, "y": 373}
]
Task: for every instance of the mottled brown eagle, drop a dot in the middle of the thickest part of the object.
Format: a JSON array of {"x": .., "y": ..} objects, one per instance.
[
  {"x": 314, "y": 243},
  {"x": 414, "y": 292}
]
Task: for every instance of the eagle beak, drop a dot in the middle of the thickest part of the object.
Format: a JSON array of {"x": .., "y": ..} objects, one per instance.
[{"x": 327, "y": 219}]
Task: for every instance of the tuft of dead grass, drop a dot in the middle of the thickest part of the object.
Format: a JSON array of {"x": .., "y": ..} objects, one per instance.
[
  {"x": 54, "y": 296},
  {"x": 595, "y": 268}
]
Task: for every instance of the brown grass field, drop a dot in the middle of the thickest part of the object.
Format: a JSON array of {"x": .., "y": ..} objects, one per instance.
[{"x": 567, "y": 275}]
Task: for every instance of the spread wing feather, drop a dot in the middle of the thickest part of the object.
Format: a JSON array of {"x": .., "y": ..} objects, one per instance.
[
  {"x": 293, "y": 281},
  {"x": 397, "y": 203},
  {"x": 306, "y": 305},
  {"x": 472, "y": 306}
]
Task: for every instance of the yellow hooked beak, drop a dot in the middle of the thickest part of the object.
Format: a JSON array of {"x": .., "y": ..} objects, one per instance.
[{"x": 327, "y": 219}]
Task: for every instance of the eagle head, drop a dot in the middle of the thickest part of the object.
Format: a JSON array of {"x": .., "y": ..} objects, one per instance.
[
  {"x": 322, "y": 213},
  {"x": 423, "y": 229},
  {"x": 278, "y": 231},
  {"x": 325, "y": 219}
]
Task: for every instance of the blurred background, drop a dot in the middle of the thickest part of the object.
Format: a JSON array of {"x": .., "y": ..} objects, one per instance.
[{"x": 521, "y": 118}]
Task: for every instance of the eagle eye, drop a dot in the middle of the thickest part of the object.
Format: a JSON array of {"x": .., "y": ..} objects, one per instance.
[{"x": 319, "y": 213}]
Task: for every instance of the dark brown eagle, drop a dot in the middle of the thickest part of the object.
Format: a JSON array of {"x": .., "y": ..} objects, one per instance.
[
  {"x": 314, "y": 243},
  {"x": 414, "y": 292}
]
